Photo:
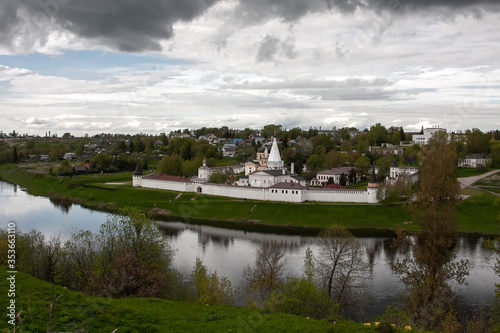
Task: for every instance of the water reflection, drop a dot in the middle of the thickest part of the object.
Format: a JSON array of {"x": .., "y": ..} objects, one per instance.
[{"x": 63, "y": 205}]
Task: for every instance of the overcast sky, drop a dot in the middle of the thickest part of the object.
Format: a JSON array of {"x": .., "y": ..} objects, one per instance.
[{"x": 130, "y": 66}]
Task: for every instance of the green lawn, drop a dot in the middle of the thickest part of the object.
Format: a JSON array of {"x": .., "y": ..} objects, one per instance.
[
  {"x": 469, "y": 172},
  {"x": 479, "y": 213}
]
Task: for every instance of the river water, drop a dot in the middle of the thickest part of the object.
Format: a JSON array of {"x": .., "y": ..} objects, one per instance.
[{"x": 229, "y": 251}]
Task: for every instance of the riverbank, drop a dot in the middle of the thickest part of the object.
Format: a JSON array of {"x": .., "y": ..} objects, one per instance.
[
  {"x": 75, "y": 312},
  {"x": 110, "y": 192}
]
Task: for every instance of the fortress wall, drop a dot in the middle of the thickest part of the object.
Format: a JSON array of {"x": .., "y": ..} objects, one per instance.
[
  {"x": 167, "y": 185},
  {"x": 359, "y": 196},
  {"x": 233, "y": 191}
]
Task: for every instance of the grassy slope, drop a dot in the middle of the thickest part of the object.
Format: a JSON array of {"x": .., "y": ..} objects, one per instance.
[
  {"x": 477, "y": 214},
  {"x": 75, "y": 311},
  {"x": 469, "y": 172}
]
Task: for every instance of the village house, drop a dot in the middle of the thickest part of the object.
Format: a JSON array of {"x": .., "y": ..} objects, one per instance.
[
  {"x": 334, "y": 174},
  {"x": 423, "y": 139},
  {"x": 474, "y": 161}
]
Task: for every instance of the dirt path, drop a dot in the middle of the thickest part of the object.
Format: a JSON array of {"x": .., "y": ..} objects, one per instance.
[{"x": 468, "y": 181}]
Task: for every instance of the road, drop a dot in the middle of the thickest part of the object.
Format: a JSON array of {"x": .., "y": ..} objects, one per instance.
[{"x": 468, "y": 181}]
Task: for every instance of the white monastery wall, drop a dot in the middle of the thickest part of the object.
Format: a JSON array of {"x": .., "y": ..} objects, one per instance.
[
  {"x": 168, "y": 185},
  {"x": 360, "y": 196}
]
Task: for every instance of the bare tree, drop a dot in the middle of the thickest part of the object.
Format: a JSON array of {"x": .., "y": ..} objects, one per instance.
[
  {"x": 341, "y": 268},
  {"x": 431, "y": 265},
  {"x": 263, "y": 277}
]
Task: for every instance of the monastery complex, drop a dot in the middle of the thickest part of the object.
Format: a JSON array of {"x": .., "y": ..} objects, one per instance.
[{"x": 265, "y": 179}]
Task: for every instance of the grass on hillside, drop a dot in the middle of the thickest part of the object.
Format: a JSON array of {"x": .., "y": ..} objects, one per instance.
[
  {"x": 478, "y": 213},
  {"x": 469, "y": 172},
  {"x": 76, "y": 312}
]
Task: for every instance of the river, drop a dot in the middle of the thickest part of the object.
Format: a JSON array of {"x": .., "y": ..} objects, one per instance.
[{"x": 229, "y": 251}]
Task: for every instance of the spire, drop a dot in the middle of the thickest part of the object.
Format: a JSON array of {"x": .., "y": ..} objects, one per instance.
[
  {"x": 373, "y": 178},
  {"x": 394, "y": 162},
  {"x": 138, "y": 170},
  {"x": 274, "y": 161}
]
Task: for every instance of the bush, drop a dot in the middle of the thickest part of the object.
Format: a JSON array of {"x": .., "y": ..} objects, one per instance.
[{"x": 301, "y": 297}]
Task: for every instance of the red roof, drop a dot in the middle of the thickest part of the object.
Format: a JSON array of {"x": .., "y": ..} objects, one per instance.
[
  {"x": 334, "y": 186},
  {"x": 171, "y": 178}
]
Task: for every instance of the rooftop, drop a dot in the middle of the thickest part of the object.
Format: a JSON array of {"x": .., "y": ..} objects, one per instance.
[
  {"x": 171, "y": 178},
  {"x": 288, "y": 185},
  {"x": 337, "y": 171}
]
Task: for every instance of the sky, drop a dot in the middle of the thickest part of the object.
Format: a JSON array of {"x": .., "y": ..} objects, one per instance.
[{"x": 131, "y": 66}]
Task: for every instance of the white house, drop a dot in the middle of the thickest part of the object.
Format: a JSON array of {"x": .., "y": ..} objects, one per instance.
[
  {"x": 474, "y": 161},
  {"x": 423, "y": 139},
  {"x": 396, "y": 171},
  {"x": 334, "y": 174}
]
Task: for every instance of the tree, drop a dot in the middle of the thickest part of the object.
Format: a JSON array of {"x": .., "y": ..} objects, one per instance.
[
  {"x": 343, "y": 179},
  {"x": 341, "y": 268},
  {"x": 353, "y": 177},
  {"x": 133, "y": 257},
  {"x": 427, "y": 272},
  {"x": 209, "y": 288},
  {"x": 261, "y": 279},
  {"x": 495, "y": 153},
  {"x": 14, "y": 155},
  {"x": 377, "y": 134},
  {"x": 170, "y": 165},
  {"x": 363, "y": 164},
  {"x": 301, "y": 296}
]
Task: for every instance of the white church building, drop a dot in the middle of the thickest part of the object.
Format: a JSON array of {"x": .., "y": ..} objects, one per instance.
[{"x": 272, "y": 182}]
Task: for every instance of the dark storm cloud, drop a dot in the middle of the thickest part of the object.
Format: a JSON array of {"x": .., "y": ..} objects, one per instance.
[
  {"x": 134, "y": 25},
  {"x": 127, "y": 25}
]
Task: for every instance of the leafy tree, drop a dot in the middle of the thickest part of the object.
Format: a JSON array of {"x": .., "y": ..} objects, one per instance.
[
  {"x": 353, "y": 176},
  {"x": 426, "y": 274},
  {"x": 300, "y": 296},
  {"x": 377, "y": 135},
  {"x": 170, "y": 165},
  {"x": 396, "y": 138},
  {"x": 495, "y": 153},
  {"x": 363, "y": 164},
  {"x": 38, "y": 257},
  {"x": 343, "y": 179},
  {"x": 209, "y": 288},
  {"x": 477, "y": 141},
  {"x": 270, "y": 130},
  {"x": 384, "y": 166},
  {"x": 80, "y": 253},
  {"x": 314, "y": 162},
  {"x": 341, "y": 268},
  {"x": 133, "y": 257},
  {"x": 261, "y": 279}
]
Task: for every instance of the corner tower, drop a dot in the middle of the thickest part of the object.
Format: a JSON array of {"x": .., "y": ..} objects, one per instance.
[
  {"x": 372, "y": 189},
  {"x": 137, "y": 177}
]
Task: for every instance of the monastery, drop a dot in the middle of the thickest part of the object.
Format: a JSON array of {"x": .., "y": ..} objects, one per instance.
[{"x": 266, "y": 179}]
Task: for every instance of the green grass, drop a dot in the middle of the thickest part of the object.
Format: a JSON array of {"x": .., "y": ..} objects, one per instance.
[
  {"x": 75, "y": 311},
  {"x": 469, "y": 172},
  {"x": 476, "y": 214}
]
